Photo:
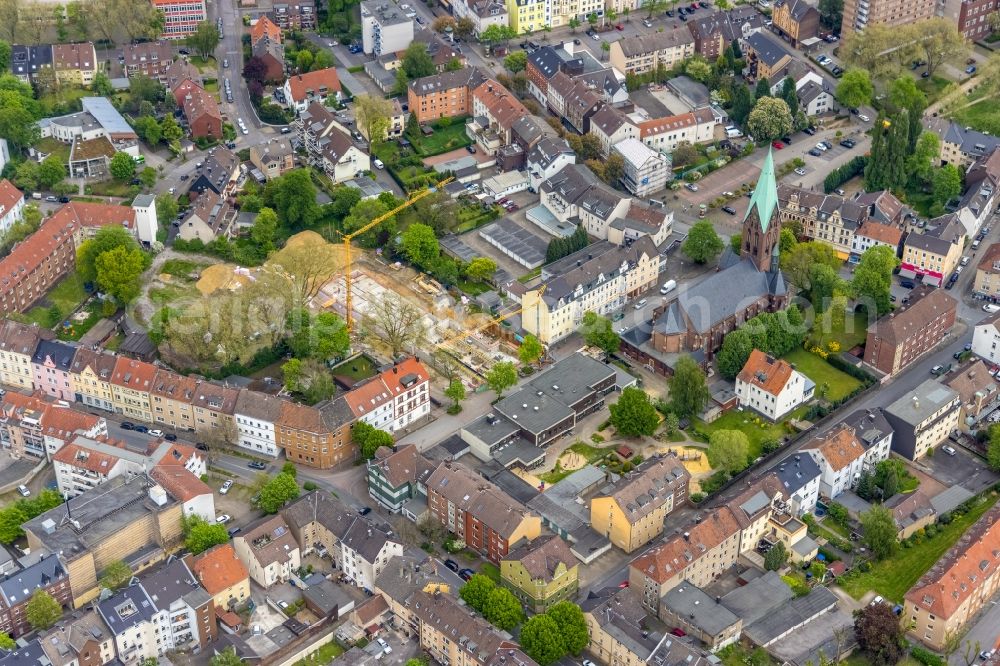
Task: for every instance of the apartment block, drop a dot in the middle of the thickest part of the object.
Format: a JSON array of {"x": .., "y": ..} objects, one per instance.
[
  {"x": 16, "y": 589},
  {"x": 771, "y": 387},
  {"x": 859, "y": 14},
  {"x": 446, "y": 95},
  {"x": 150, "y": 59},
  {"x": 915, "y": 328},
  {"x": 934, "y": 254},
  {"x": 75, "y": 64},
  {"x": 923, "y": 418},
  {"x": 384, "y": 28},
  {"x": 542, "y": 573},
  {"x": 268, "y": 550},
  {"x": 652, "y": 51},
  {"x": 11, "y": 205},
  {"x": 36, "y": 427},
  {"x": 181, "y": 17},
  {"x": 646, "y": 170}
]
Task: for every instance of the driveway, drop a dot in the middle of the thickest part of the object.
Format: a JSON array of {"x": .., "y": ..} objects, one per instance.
[{"x": 962, "y": 469}]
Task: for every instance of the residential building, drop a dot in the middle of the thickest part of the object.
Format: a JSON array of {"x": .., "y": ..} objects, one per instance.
[
  {"x": 11, "y": 205},
  {"x": 264, "y": 30},
  {"x": 541, "y": 573},
  {"x": 328, "y": 146},
  {"x": 442, "y": 50},
  {"x": 923, "y": 418},
  {"x": 17, "y": 347},
  {"x": 75, "y": 64},
  {"x": 150, "y": 59},
  {"x": 301, "y": 90},
  {"x": 982, "y": 193},
  {"x": 447, "y": 95},
  {"x": 476, "y": 511},
  {"x": 549, "y": 156},
  {"x": 35, "y": 427},
  {"x": 646, "y": 170},
  {"x": 977, "y": 390},
  {"x": 255, "y": 416},
  {"x": 630, "y": 512},
  {"x": 654, "y": 221},
  {"x": 527, "y": 15},
  {"x": 208, "y": 218},
  {"x": 800, "y": 476},
  {"x": 544, "y": 409},
  {"x": 816, "y": 97},
  {"x": 958, "y": 586},
  {"x": 841, "y": 459},
  {"x": 171, "y": 396},
  {"x": 985, "y": 339},
  {"x": 272, "y": 57},
  {"x": 766, "y": 56},
  {"x": 299, "y": 15},
  {"x": 50, "y": 368},
  {"x": 385, "y": 28},
  {"x": 601, "y": 278},
  {"x": 934, "y": 254},
  {"x": 501, "y": 110},
  {"x": 397, "y": 477},
  {"x": 872, "y": 233},
  {"x": 771, "y": 386},
  {"x": 826, "y": 217},
  {"x": 744, "y": 286},
  {"x": 960, "y": 145},
  {"x": 913, "y": 329},
  {"x": 648, "y": 52},
  {"x": 223, "y": 576},
  {"x": 576, "y": 196},
  {"x": 80, "y": 639},
  {"x": 183, "y": 607},
  {"x": 134, "y": 520},
  {"x": 874, "y": 432},
  {"x": 713, "y": 33},
  {"x": 482, "y": 13},
  {"x": 26, "y": 62},
  {"x": 796, "y": 20},
  {"x": 137, "y": 627},
  {"x": 130, "y": 385},
  {"x": 213, "y": 406},
  {"x": 181, "y": 17},
  {"x": 859, "y": 14},
  {"x": 318, "y": 438},
  {"x": 273, "y": 158},
  {"x": 612, "y": 126},
  {"x": 395, "y": 398},
  {"x": 16, "y": 589},
  {"x": 665, "y": 134},
  {"x": 95, "y": 132},
  {"x": 269, "y": 551},
  {"x": 219, "y": 172},
  {"x": 911, "y": 512},
  {"x": 201, "y": 110},
  {"x": 576, "y": 99}
]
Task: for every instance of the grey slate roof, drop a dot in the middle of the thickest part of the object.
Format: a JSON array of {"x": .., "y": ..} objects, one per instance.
[
  {"x": 548, "y": 150},
  {"x": 702, "y": 611},
  {"x": 870, "y": 425},
  {"x": 586, "y": 268},
  {"x": 20, "y": 585},
  {"x": 656, "y": 41},
  {"x": 796, "y": 471},
  {"x": 758, "y": 597},
  {"x": 546, "y": 61},
  {"x": 469, "y": 77},
  {"x": 730, "y": 290},
  {"x": 172, "y": 582},
  {"x": 969, "y": 140},
  {"x": 558, "y": 505},
  {"x": 768, "y": 49},
  {"x": 60, "y": 353},
  {"x": 127, "y": 608},
  {"x": 795, "y": 612}
]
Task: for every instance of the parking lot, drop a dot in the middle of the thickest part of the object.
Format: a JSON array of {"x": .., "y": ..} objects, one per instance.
[{"x": 962, "y": 469}]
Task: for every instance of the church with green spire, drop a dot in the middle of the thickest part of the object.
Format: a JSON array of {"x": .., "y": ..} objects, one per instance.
[{"x": 744, "y": 285}]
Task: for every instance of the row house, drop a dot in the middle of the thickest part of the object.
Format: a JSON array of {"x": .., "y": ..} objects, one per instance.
[
  {"x": 961, "y": 145},
  {"x": 543, "y": 64},
  {"x": 396, "y": 477},
  {"x": 255, "y": 416},
  {"x": 201, "y": 110},
  {"x": 297, "y": 15},
  {"x": 872, "y": 234},
  {"x": 131, "y": 381},
  {"x": 36, "y": 264},
  {"x": 50, "y": 368},
  {"x": 841, "y": 459},
  {"x": 272, "y": 57},
  {"x": 479, "y": 513},
  {"x": 612, "y": 126},
  {"x": 268, "y": 549},
  {"x": 220, "y": 172},
  {"x": 17, "y": 347},
  {"x": 576, "y": 196},
  {"x": 601, "y": 278},
  {"x": 982, "y": 193},
  {"x": 986, "y": 339},
  {"x": 796, "y": 20},
  {"x": 81, "y": 638},
  {"x": 500, "y": 109},
  {"x": 151, "y": 59},
  {"x": 902, "y": 336},
  {"x": 75, "y": 64},
  {"x": 826, "y": 217},
  {"x": 90, "y": 378},
  {"x": 32, "y": 425},
  {"x": 665, "y": 134},
  {"x": 482, "y": 13},
  {"x": 27, "y": 62},
  {"x": 713, "y": 33},
  {"x": 547, "y": 158},
  {"x": 766, "y": 56},
  {"x": 653, "y": 51},
  {"x": 645, "y": 170},
  {"x": 987, "y": 280},
  {"x": 447, "y": 95},
  {"x": 223, "y": 576},
  {"x": 328, "y": 145},
  {"x": 264, "y": 30},
  {"x": 170, "y": 399},
  {"x": 48, "y": 575},
  {"x": 317, "y": 437}
]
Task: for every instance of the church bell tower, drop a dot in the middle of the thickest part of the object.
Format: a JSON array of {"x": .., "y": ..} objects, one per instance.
[{"x": 761, "y": 225}]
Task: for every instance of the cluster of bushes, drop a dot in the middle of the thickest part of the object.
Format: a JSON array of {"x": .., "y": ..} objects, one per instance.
[
  {"x": 818, "y": 411},
  {"x": 918, "y": 537},
  {"x": 243, "y": 251},
  {"x": 842, "y": 174},
  {"x": 926, "y": 657}
]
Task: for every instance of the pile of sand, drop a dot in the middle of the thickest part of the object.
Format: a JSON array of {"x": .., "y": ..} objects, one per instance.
[
  {"x": 572, "y": 460},
  {"x": 220, "y": 276}
]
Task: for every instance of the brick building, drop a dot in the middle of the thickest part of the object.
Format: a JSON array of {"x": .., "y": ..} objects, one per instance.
[
  {"x": 446, "y": 95},
  {"x": 900, "y": 337}
]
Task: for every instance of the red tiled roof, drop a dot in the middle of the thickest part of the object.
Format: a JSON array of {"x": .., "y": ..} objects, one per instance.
[
  {"x": 28, "y": 255},
  {"x": 882, "y": 233},
  {"x": 179, "y": 482},
  {"x": 219, "y": 569},
  {"x": 84, "y": 458},
  {"x": 265, "y": 28},
  {"x": 766, "y": 373},
  {"x": 504, "y": 107},
  {"x": 133, "y": 374},
  {"x": 301, "y": 84},
  {"x": 9, "y": 196},
  {"x": 198, "y": 103},
  {"x": 666, "y": 561},
  {"x": 670, "y": 124},
  {"x": 840, "y": 447},
  {"x": 97, "y": 215}
]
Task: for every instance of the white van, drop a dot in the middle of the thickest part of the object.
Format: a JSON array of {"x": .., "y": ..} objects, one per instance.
[
  {"x": 641, "y": 304},
  {"x": 975, "y": 245},
  {"x": 668, "y": 286},
  {"x": 733, "y": 132},
  {"x": 378, "y": 163}
]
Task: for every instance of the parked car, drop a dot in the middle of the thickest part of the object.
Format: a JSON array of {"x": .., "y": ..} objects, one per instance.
[
  {"x": 226, "y": 486},
  {"x": 677, "y": 631},
  {"x": 223, "y": 519},
  {"x": 815, "y": 152},
  {"x": 365, "y": 510},
  {"x": 156, "y": 433},
  {"x": 848, "y": 143},
  {"x": 800, "y": 171},
  {"x": 23, "y": 490},
  {"x": 127, "y": 425},
  {"x": 256, "y": 464},
  {"x": 466, "y": 574},
  {"x": 647, "y": 23},
  {"x": 810, "y": 130},
  {"x": 971, "y": 69},
  {"x": 777, "y": 145},
  {"x": 729, "y": 209},
  {"x": 907, "y": 284},
  {"x": 385, "y": 646},
  {"x": 451, "y": 564},
  {"x": 619, "y": 27},
  {"x": 950, "y": 450},
  {"x": 691, "y": 186},
  {"x": 141, "y": 428},
  {"x": 595, "y": 36},
  {"x": 378, "y": 163},
  {"x": 822, "y": 146},
  {"x": 201, "y": 446},
  {"x": 991, "y": 308}
]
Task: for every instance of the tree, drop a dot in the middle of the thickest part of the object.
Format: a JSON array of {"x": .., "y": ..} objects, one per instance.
[
  {"x": 542, "y": 640},
  {"x": 122, "y": 166},
  {"x": 516, "y": 62},
  {"x": 992, "y": 450},
  {"x": 322, "y": 336},
  {"x": 855, "y": 88},
  {"x": 904, "y": 94},
  {"x": 879, "y": 633},
  {"x": 42, "y": 610},
  {"x": 373, "y": 116},
  {"x": 947, "y": 184},
  {"x": 921, "y": 161},
  {"x": 398, "y": 322},
  {"x": 291, "y": 372},
  {"x": 831, "y": 13},
  {"x": 634, "y": 415},
  {"x": 501, "y": 377},
  {"x": 170, "y": 131},
  {"x": 571, "y": 624},
  {"x": 200, "y": 535},
  {"x": 879, "y": 531},
  {"x": 872, "y": 278},
  {"x": 293, "y": 198},
  {"x": 118, "y": 271},
  {"x": 51, "y": 171},
  {"x": 940, "y": 42},
  {"x": 476, "y": 591},
  {"x": 574, "y": 23},
  {"x": 798, "y": 263},
  {"x": 106, "y": 239},
  {"x": 369, "y": 439},
  {"x": 303, "y": 60},
  {"x": 776, "y": 557},
  {"x": 614, "y": 168},
  {"x": 503, "y": 610},
  {"x": 255, "y": 69},
  {"x": 598, "y": 332},
  {"x": 115, "y": 575},
  {"x": 17, "y": 125},
  {"x": 280, "y": 490},
  {"x": 465, "y": 27},
  {"x": 886, "y": 168},
  {"x": 728, "y": 450},
  {"x": 698, "y": 69},
  {"x": 5, "y": 53},
  {"x": 417, "y": 62},
  {"x": 148, "y": 176},
  {"x": 743, "y": 101},
  {"x": 455, "y": 392},
  {"x": 481, "y": 269},
  {"x": 6, "y": 642},
  {"x": 101, "y": 85},
  {"x": 688, "y": 390},
  {"x": 824, "y": 281},
  {"x": 530, "y": 350},
  {"x": 420, "y": 245},
  {"x": 790, "y": 96},
  {"x": 684, "y": 154},
  {"x": 11, "y": 519},
  {"x": 264, "y": 229},
  {"x": 736, "y": 349},
  {"x": 762, "y": 90},
  {"x": 227, "y": 657},
  {"x": 890, "y": 484},
  {"x": 204, "y": 39},
  {"x": 770, "y": 119},
  {"x": 702, "y": 244}
]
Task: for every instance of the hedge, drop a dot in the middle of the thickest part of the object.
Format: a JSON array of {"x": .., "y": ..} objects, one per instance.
[{"x": 925, "y": 656}]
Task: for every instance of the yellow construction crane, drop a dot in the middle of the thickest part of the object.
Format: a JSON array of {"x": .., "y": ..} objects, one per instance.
[{"x": 371, "y": 225}]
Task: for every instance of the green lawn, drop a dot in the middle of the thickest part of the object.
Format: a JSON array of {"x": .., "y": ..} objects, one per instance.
[
  {"x": 854, "y": 332},
  {"x": 109, "y": 188},
  {"x": 180, "y": 268},
  {"x": 356, "y": 369},
  {"x": 838, "y": 384},
  {"x": 323, "y": 656},
  {"x": 933, "y": 87},
  {"x": 61, "y": 302},
  {"x": 114, "y": 343},
  {"x": 757, "y": 429},
  {"x": 983, "y": 116},
  {"x": 76, "y": 329},
  {"x": 893, "y": 577},
  {"x": 473, "y": 288},
  {"x": 490, "y": 571},
  {"x": 591, "y": 453},
  {"x": 66, "y": 96},
  {"x": 444, "y": 139}
]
